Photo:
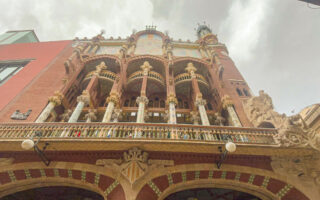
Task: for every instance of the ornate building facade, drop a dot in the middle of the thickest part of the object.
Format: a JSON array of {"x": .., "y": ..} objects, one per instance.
[{"x": 148, "y": 117}]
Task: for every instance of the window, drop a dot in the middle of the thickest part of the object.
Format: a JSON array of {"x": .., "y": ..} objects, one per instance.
[
  {"x": 239, "y": 92},
  {"x": 246, "y": 92},
  {"x": 9, "y": 69}
]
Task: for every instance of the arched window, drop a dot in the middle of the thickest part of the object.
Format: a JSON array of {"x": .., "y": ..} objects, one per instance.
[
  {"x": 246, "y": 92},
  {"x": 156, "y": 102},
  {"x": 133, "y": 102},
  {"x": 150, "y": 104},
  {"x": 162, "y": 104},
  {"x": 186, "y": 105},
  {"x": 180, "y": 104},
  {"x": 126, "y": 103},
  {"x": 239, "y": 92},
  {"x": 209, "y": 106}
]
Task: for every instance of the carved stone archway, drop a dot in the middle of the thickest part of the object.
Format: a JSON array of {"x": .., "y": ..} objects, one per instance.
[
  {"x": 265, "y": 184},
  {"x": 24, "y": 176}
]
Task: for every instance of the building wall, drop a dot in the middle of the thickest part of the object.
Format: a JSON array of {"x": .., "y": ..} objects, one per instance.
[{"x": 39, "y": 78}]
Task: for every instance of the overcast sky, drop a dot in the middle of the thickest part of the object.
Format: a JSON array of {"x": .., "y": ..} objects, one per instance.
[{"x": 275, "y": 44}]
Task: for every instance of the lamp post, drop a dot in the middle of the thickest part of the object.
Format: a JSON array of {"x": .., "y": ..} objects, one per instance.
[
  {"x": 230, "y": 147},
  {"x": 29, "y": 143}
]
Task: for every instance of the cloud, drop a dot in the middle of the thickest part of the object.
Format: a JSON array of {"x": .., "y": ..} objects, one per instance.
[
  {"x": 275, "y": 44},
  {"x": 243, "y": 27}
]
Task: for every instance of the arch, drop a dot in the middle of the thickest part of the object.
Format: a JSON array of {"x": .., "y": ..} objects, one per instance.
[
  {"x": 48, "y": 182},
  {"x": 138, "y": 34},
  {"x": 19, "y": 180},
  {"x": 22, "y": 176},
  {"x": 158, "y": 63},
  {"x": 225, "y": 184},
  {"x": 266, "y": 125},
  {"x": 262, "y": 183},
  {"x": 191, "y": 59},
  {"x": 112, "y": 61}
]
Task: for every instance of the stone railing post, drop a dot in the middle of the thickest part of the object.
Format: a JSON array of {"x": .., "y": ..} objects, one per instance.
[
  {"x": 83, "y": 100},
  {"x": 53, "y": 102}
]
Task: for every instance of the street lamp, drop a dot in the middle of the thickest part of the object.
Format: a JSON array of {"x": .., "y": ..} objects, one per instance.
[
  {"x": 230, "y": 147},
  {"x": 27, "y": 144}
]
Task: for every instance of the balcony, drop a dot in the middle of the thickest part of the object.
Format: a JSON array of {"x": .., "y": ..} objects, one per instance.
[
  {"x": 134, "y": 133},
  {"x": 151, "y": 75},
  {"x": 185, "y": 77},
  {"x": 105, "y": 74}
]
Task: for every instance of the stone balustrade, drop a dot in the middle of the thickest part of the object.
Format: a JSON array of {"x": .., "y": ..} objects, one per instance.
[
  {"x": 215, "y": 134},
  {"x": 151, "y": 75},
  {"x": 104, "y": 74},
  {"x": 187, "y": 77}
]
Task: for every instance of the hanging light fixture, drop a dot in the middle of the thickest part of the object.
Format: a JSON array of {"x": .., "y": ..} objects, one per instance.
[
  {"x": 230, "y": 147},
  {"x": 28, "y": 144}
]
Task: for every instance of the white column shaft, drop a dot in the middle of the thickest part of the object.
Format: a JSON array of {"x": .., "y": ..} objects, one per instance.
[
  {"x": 108, "y": 113},
  {"x": 140, "y": 115},
  {"x": 172, "y": 113},
  {"x": 46, "y": 112},
  {"x": 234, "y": 116},
  {"x": 203, "y": 115},
  {"x": 76, "y": 113}
]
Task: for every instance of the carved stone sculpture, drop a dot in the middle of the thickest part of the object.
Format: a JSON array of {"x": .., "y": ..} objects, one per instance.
[
  {"x": 134, "y": 164},
  {"x": 292, "y": 131}
]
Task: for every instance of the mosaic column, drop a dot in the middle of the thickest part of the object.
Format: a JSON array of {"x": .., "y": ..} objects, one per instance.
[
  {"x": 82, "y": 100},
  {"x": 200, "y": 103},
  {"x": 112, "y": 100},
  {"x": 172, "y": 101},
  {"x": 142, "y": 101},
  {"x": 53, "y": 102},
  {"x": 228, "y": 105}
]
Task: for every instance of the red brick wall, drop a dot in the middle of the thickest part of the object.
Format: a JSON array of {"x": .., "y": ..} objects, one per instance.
[{"x": 31, "y": 87}]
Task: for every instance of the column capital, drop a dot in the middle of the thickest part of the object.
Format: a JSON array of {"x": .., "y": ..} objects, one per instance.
[
  {"x": 56, "y": 98},
  {"x": 191, "y": 69},
  {"x": 146, "y": 67},
  {"x": 226, "y": 101},
  {"x": 142, "y": 99},
  {"x": 113, "y": 97},
  {"x": 172, "y": 99},
  {"x": 200, "y": 102},
  {"x": 84, "y": 97}
]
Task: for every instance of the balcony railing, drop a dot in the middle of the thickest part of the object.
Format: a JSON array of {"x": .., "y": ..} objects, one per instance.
[
  {"x": 187, "y": 77},
  {"x": 105, "y": 74},
  {"x": 151, "y": 75},
  {"x": 215, "y": 134}
]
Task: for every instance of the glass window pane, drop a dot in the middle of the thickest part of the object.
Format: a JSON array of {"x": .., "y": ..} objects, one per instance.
[{"x": 6, "y": 72}]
